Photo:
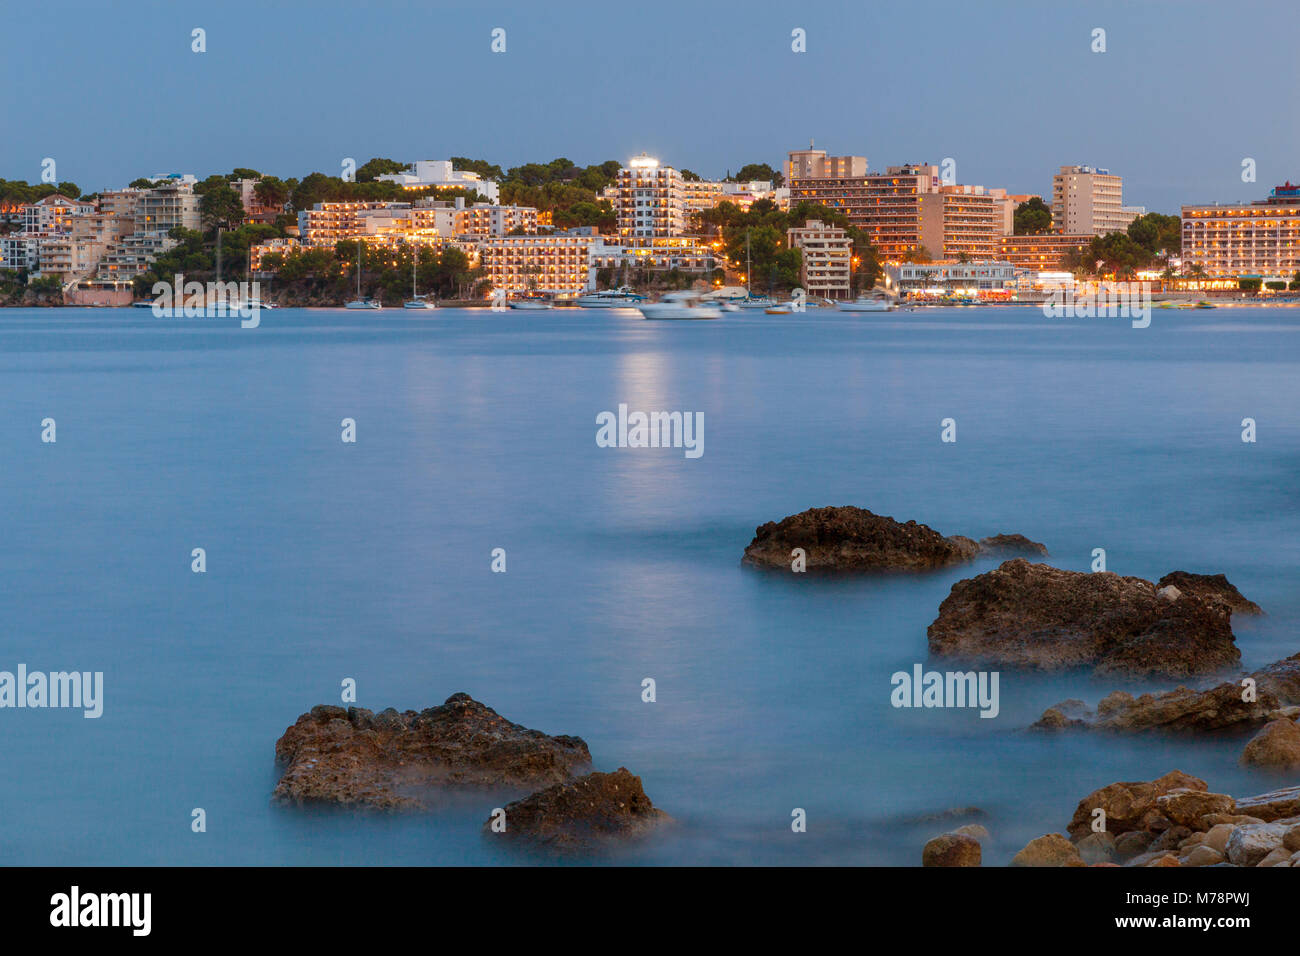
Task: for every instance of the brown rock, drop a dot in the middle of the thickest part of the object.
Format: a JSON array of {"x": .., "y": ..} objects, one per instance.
[
  {"x": 1171, "y": 839},
  {"x": 1277, "y": 746},
  {"x": 849, "y": 539},
  {"x": 1277, "y": 856},
  {"x": 1049, "y": 850},
  {"x": 1274, "y": 805},
  {"x": 1097, "y": 848},
  {"x": 397, "y": 760},
  {"x": 951, "y": 849},
  {"x": 1036, "y": 616},
  {"x": 1012, "y": 544},
  {"x": 1203, "y": 856},
  {"x": 1210, "y": 588},
  {"x": 1133, "y": 843},
  {"x": 582, "y": 815},
  {"x": 1131, "y": 805},
  {"x": 1216, "y": 838},
  {"x": 1291, "y": 839},
  {"x": 1167, "y": 860},
  {"x": 1186, "y": 807}
]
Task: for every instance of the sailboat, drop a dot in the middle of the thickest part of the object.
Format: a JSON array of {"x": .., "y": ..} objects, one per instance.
[
  {"x": 362, "y": 301},
  {"x": 416, "y": 301},
  {"x": 750, "y": 301}
]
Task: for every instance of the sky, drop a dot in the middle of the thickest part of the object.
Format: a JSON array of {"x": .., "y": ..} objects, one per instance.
[{"x": 1184, "y": 92}]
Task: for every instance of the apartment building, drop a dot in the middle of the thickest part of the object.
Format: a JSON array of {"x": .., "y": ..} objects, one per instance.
[
  {"x": 53, "y": 214},
  {"x": 964, "y": 221},
  {"x": 1041, "y": 253},
  {"x": 154, "y": 214},
  {"x": 813, "y": 163},
  {"x": 661, "y": 254},
  {"x": 651, "y": 200},
  {"x": 1245, "y": 239},
  {"x": 1086, "y": 199},
  {"x": 561, "y": 264},
  {"x": 441, "y": 174},
  {"x": 827, "y": 257},
  {"x": 328, "y": 222},
  {"x": 952, "y": 278}
]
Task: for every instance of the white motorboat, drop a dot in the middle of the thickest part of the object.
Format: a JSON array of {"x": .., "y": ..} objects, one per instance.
[
  {"x": 866, "y": 303},
  {"x": 679, "y": 305},
  {"x": 529, "y": 303},
  {"x": 609, "y": 299}
]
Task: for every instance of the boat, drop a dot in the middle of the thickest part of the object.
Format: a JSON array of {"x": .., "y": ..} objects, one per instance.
[
  {"x": 868, "y": 303},
  {"x": 1206, "y": 305},
  {"x": 679, "y": 305},
  {"x": 530, "y": 301},
  {"x": 780, "y": 308},
  {"x": 609, "y": 299},
  {"x": 416, "y": 301},
  {"x": 751, "y": 301},
  {"x": 146, "y": 304},
  {"x": 362, "y": 301}
]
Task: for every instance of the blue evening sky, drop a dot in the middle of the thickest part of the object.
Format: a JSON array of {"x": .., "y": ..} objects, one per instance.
[{"x": 1010, "y": 90}]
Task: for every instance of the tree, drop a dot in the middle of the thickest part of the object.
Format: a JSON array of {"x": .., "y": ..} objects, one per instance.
[
  {"x": 1157, "y": 233},
  {"x": 378, "y": 166},
  {"x": 243, "y": 172},
  {"x": 1032, "y": 218},
  {"x": 481, "y": 166},
  {"x": 757, "y": 171},
  {"x": 689, "y": 176},
  {"x": 71, "y": 190},
  {"x": 142, "y": 183},
  {"x": 219, "y": 202},
  {"x": 271, "y": 192}
]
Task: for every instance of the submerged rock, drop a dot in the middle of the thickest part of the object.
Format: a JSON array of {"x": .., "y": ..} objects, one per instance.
[
  {"x": 394, "y": 760},
  {"x": 1131, "y": 805},
  {"x": 1276, "y": 696},
  {"x": 581, "y": 815},
  {"x": 849, "y": 539},
  {"x": 1051, "y": 849},
  {"x": 1036, "y": 616},
  {"x": 1210, "y": 589}
]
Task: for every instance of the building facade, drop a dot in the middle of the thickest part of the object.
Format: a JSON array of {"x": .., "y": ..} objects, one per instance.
[
  {"x": 442, "y": 174},
  {"x": 1041, "y": 253},
  {"x": 1086, "y": 199},
  {"x": 1245, "y": 239},
  {"x": 827, "y": 257}
]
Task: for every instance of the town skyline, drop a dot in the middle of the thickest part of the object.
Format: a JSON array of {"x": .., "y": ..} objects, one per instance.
[{"x": 1009, "y": 92}]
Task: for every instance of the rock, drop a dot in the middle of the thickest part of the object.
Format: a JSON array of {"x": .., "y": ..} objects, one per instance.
[
  {"x": 1203, "y": 856},
  {"x": 1131, "y": 805},
  {"x": 1169, "y": 594},
  {"x": 1012, "y": 544},
  {"x": 1275, "y": 857},
  {"x": 583, "y": 815},
  {"x": 1274, "y": 805},
  {"x": 1097, "y": 848},
  {"x": 1212, "y": 820},
  {"x": 1249, "y": 844},
  {"x": 1216, "y": 838},
  {"x": 1133, "y": 843},
  {"x": 1291, "y": 839},
  {"x": 1049, "y": 850},
  {"x": 1210, "y": 588},
  {"x": 1167, "y": 860},
  {"x": 974, "y": 830},
  {"x": 396, "y": 761},
  {"x": 951, "y": 849},
  {"x": 849, "y": 539},
  {"x": 1036, "y": 616},
  {"x": 1277, "y": 693},
  {"x": 1186, "y": 807},
  {"x": 1171, "y": 839},
  {"x": 1277, "y": 746}
]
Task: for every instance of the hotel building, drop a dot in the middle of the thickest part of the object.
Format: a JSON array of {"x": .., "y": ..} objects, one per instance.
[
  {"x": 563, "y": 264},
  {"x": 423, "y": 220},
  {"x": 1041, "y": 253},
  {"x": 965, "y": 221},
  {"x": 951, "y": 278},
  {"x": 441, "y": 174},
  {"x": 1245, "y": 239},
  {"x": 651, "y": 200},
  {"x": 827, "y": 254},
  {"x": 1089, "y": 200}
]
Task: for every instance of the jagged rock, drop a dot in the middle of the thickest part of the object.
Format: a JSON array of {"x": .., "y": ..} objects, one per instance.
[
  {"x": 1051, "y": 849},
  {"x": 1210, "y": 588},
  {"x": 951, "y": 849},
  {"x": 1167, "y": 860},
  {"x": 1132, "y": 843},
  {"x": 1036, "y": 616},
  {"x": 1097, "y": 848},
  {"x": 1131, "y": 805},
  {"x": 1172, "y": 838},
  {"x": 849, "y": 539},
  {"x": 1277, "y": 696},
  {"x": 1187, "y": 807},
  {"x": 1277, "y": 746},
  {"x": 582, "y": 815},
  {"x": 1274, "y": 805},
  {"x": 397, "y": 760},
  {"x": 1169, "y": 594},
  {"x": 1249, "y": 844}
]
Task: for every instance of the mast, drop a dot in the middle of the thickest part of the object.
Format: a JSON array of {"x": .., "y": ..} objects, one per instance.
[
  {"x": 358, "y": 268},
  {"x": 415, "y": 259},
  {"x": 748, "y": 269}
]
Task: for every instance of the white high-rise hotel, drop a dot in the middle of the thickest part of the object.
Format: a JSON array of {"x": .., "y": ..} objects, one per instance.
[
  {"x": 1090, "y": 201},
  {"x": 649, "y": 199}
]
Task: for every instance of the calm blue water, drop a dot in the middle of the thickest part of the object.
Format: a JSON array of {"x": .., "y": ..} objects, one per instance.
[{"x": 476, "y": 431}]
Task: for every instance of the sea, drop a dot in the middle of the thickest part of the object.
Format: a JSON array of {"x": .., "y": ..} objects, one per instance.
[{"x": 772, "y": 737}]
